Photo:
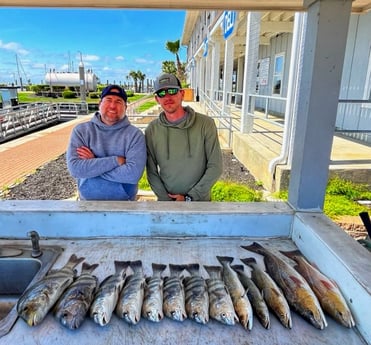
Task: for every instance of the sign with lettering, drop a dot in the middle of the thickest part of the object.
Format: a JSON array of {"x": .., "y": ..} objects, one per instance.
[{"x": 228, "y": 23}]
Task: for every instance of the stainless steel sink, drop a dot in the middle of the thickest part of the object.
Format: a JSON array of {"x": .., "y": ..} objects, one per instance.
[{"x": 18, "y": 270}]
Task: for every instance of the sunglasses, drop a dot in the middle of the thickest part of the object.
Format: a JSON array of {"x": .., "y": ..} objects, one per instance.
[{"x": 171, "y": 92}]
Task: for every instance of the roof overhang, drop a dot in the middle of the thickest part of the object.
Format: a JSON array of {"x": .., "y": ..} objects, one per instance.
[{"x": 249, "y": 5}]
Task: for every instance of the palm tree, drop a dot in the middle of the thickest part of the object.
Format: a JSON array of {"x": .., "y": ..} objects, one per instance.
[
  {"x": 169, "y": 67},
  {"x": 134, "y": 76},
  {"x": 173, "y": 47},
  {"x": 141, "y": 78}
]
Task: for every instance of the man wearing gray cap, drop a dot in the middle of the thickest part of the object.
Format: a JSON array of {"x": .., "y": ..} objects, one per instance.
[
  {"x": 107, "y": 155},
  {"x": 184, "y": 157}
]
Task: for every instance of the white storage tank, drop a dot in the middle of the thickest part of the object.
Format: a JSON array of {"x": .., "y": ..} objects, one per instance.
[{"x": 71, "y": 79}]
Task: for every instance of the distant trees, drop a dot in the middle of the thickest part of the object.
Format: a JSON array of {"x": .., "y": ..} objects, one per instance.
[{"x": 138, "y": 79}]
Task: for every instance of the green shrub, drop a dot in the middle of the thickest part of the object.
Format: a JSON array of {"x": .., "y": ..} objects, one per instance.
[
  {"x": 94, "y": 95},
  {"x": 69, "y": 94},
  {"x": 339, "y": 205},
  {"x": 229, "y": 191},
  {"x": 143, "y": 182}
]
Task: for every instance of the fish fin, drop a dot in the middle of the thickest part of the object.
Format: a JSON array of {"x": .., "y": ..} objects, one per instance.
[
  {"x": 73, "y": 261},
  {"x": 296, "y": 280},
  {"x": 254, "y": 247},
  {"x": 193, "y": 269},
  {"x": 214, "y": 272},
  {"x": 176, "y": 270},
  {"x": 121, "y": 266},
  {"x": 238, "y": 268},
  {"x": 136, "y": 266},
  {"x": 87, "y": 268},
  {"x": 248, "y": 261},
  {"x": 292, "y": 254},
  {"x": 225, "y": 259},
  {"x": 158, "y": 269}
]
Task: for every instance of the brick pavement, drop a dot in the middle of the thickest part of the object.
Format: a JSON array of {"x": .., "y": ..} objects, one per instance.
[{"x": 21, "y": 157}]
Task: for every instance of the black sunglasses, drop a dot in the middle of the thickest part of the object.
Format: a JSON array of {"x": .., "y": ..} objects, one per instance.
[{"x": 171, "y": 92}]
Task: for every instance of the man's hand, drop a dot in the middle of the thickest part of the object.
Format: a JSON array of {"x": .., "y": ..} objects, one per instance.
[
  {"x": 176, "y": 197},
  {"x": 121, "y": 160},
  {"x": 85, "y": 153}
]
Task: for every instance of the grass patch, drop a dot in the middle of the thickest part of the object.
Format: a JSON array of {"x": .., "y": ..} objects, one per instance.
[
  {"x": 145, "y": 106},
  {"x": 234, "y": 192}
]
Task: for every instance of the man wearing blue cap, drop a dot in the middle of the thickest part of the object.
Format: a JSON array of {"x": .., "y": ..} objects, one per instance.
[
  {"x": 107, "y": 155},
  {"x": 184, "y": 155}
]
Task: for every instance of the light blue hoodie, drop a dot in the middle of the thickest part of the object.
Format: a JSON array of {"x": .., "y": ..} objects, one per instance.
[{"x": 102, "y": 178}]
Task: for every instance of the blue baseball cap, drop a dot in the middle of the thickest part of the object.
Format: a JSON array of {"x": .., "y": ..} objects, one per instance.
[{"x": 114, "y": 90}]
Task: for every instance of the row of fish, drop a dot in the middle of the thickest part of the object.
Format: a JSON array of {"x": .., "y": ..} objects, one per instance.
[{"x": 229, "y": 295}]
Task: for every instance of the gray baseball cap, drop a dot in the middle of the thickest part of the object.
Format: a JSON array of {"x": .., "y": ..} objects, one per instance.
[{"x": 166, "y": 81}]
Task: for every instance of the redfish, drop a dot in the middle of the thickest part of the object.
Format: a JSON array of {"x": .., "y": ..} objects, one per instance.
[
  {"x": 296, "y": 289},
  {"x": 326, "y": 290}
]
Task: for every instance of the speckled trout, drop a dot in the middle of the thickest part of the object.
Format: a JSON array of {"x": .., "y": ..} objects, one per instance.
[
  {"x": 238, "y": 293},
  {"x": 196, "y": 295},
  {"x": 220, "y": 302},
  {"x": 74, "y": 304},
  {"x": 129, "y": 305},
  {"x": 326, "y": 290},
  {"x": 174, "y": 298},
  {"x": 253, "y": 293},
  {"x": 153, "y": 294},
  {"x": 38, "y": 299},
  {"x": 296, "y": 289},
  {"x": 105, "y": 299},
  {"x": 271, "y": 293}
]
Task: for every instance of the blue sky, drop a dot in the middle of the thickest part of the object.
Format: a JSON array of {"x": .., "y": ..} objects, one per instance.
[{"x": 111, "y": 42}]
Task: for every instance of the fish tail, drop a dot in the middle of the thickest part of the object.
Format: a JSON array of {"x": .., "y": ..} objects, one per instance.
[
  {"x": 193, "y": 269},
  {"x": 158, "y": 269},
  {"x": 238, "y": 268},
  {"x": 136, "y": 266},
  {"x": 214, "y": 272},
  {"x": 255, "y": 247},
  {"x": 73, "y": 261},
  {"x": 225, "y": 259},
  {"x": 86, "y": 268},
  {"x": 292, "y": 254},
  {"x": 176, "y": 270},
  {"x": 121, "y": 266},
  {"x": 248, "y": 261}
]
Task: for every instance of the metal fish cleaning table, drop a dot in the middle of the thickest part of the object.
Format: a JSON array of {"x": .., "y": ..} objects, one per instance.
[{"x": 187, "y": 233}]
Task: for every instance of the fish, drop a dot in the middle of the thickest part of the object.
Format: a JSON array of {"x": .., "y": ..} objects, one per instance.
[
  {"x": 74, "y": 304},
  {"x": 153, "y": 294},
  {"x": 259, "y": 306},
  {"x": 220, "y": 302},
  {"x": 174, "y": 297},
  {"x": 238, "y": 293},
  {"x": 272, "y": 294},
  {"x": 326, "y": 290},
  {"x": 39, "y": 299},
  {"x": 196, "y": 295},
  {"x": 297, "y": 291},
  {"x": 106, "y": 297},
  {"x": 129, "y": 305}
]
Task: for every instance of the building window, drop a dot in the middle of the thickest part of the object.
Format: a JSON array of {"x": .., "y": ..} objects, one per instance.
[{"x": 279, "y": 61}]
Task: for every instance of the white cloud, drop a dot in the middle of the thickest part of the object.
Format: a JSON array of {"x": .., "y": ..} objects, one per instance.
[
  {"x": 14, "y": 47},
  {"x": 119, "y": 58}
]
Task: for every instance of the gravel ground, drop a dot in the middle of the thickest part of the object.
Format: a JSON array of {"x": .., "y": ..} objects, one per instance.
[{"x": 53, "y": 182}]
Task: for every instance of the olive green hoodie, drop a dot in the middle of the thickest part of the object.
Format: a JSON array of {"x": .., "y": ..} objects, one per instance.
[{"x": 183, "y": 158}]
